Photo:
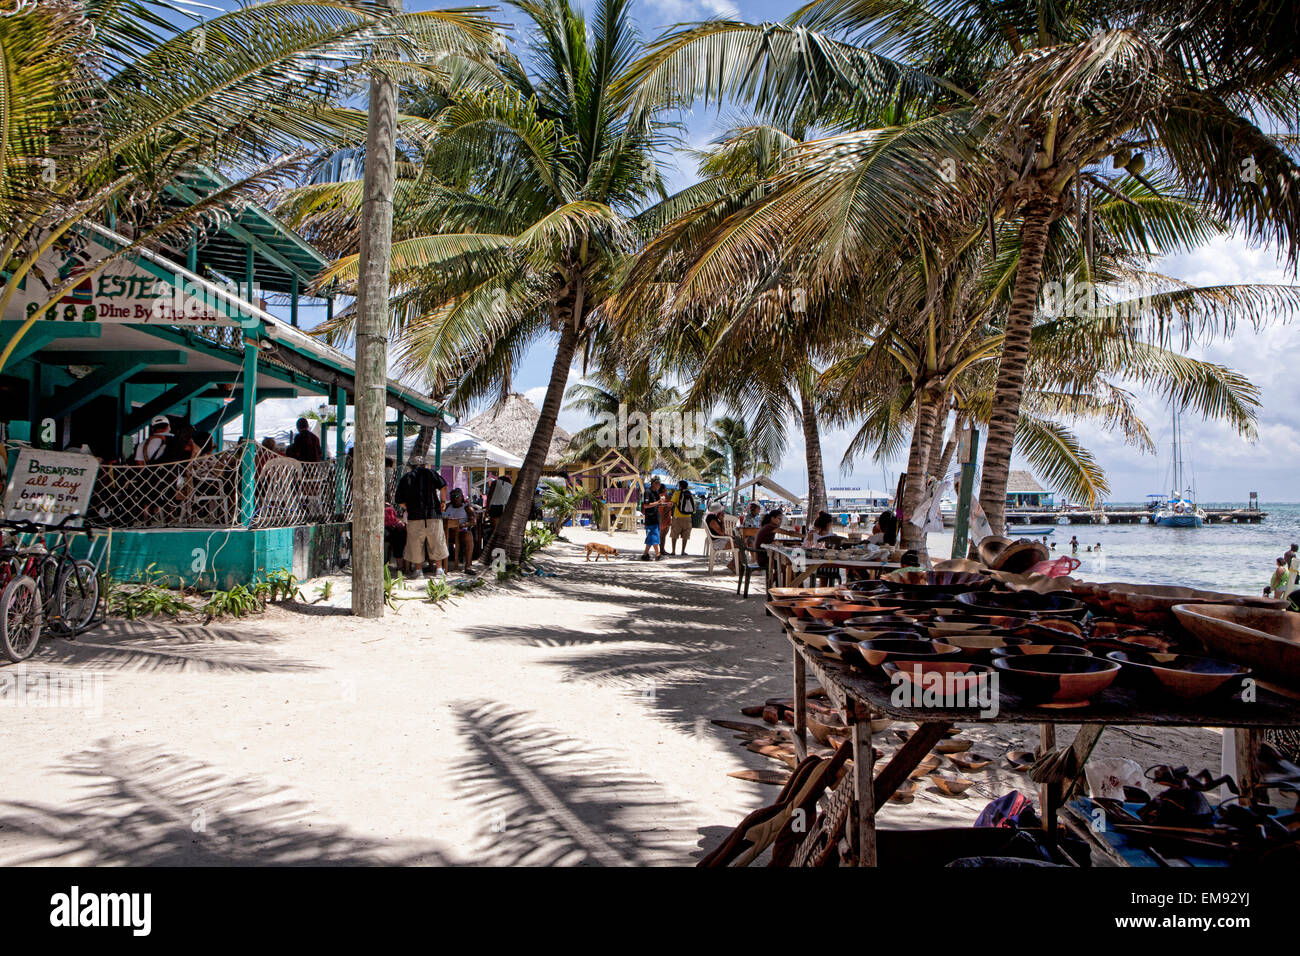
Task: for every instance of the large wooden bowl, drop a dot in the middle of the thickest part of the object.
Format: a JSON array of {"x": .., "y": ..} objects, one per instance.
[
  {"x": 1020, "y": 650},
  {"x": 978, "y": 647},
  {"x": 926, "y": 584},
  {"x": 838, "y": 611},
  {"x": 961, "y": 683},
  {"x": 1151, "y": 605},
  {"x": 1265, "y": 640},
  {"x": 1003, "y": 554},
  {"x": 1179, "y": 674},
  {"x": 1024, "y": 603},
  {"x": 1057, "y": 680},
  {"x": 879, "y": 651}
]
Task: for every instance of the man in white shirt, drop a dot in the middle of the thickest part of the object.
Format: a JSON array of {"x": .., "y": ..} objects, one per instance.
[
  {"x": 501, "y": 489},
  {"x": 152, "y": 448}
]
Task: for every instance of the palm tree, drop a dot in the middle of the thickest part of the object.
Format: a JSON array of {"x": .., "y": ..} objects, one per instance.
[
  {"x": 1030, "y": 111},
  {"x": 636, "y": 397},
  {"x": 108, "y": 104},
  {"x": 749, "y": 348},
  {"x": 737, "y": 449},
  {"x": 512, "y": 226}
]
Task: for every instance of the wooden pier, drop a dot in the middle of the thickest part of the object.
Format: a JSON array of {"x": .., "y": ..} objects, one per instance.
[{"x": 1128, "y": 516}]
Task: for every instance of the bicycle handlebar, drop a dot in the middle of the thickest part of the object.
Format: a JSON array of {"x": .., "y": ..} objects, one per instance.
[{"x": 35, "y": 527}]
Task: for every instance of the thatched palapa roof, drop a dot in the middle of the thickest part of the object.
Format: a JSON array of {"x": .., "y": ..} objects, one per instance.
[
  {"x": 1020, "y": 482},
  {"x": 510, "y": 424}
]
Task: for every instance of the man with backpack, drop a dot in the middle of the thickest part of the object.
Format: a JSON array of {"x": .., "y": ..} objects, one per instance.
[{"x": 683, "y": 513}]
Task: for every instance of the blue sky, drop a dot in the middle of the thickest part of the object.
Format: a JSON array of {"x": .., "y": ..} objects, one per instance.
[{"x": 1226, "y": 467}]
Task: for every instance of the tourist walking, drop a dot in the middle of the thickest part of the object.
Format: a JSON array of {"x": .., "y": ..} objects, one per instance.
[
  {"x": 679, "y": 527},
  {"x": 650, "y": 511}
]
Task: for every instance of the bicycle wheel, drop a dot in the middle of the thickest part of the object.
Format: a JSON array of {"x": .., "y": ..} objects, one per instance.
[
  {"x": 76, "y": 595},
  {"x": 20, "y": 619}
]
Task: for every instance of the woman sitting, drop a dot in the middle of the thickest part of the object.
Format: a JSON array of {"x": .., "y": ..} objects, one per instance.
[
  {"x": 460, "y": 530},
  {"x": 767, "y": 534},
  {"x": 820, "y": 530}
]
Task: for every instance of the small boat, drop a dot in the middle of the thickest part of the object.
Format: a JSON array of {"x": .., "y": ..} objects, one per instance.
[
  {"x": 1180, "y": 509},
  {"x": 1032, "y": 530}
]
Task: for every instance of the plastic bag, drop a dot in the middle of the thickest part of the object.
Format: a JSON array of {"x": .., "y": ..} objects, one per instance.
[
  {"x": 1108, "y": 776},
  {"x": 1056, "y": 567}
]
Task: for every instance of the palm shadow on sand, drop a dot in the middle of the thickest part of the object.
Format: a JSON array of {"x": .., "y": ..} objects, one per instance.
[
  {"x": 538, "y": 797},
  {"x": 142, "y": 807}
]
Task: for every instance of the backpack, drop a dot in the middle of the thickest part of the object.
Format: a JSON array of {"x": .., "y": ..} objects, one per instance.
[
  {"x": 1012, "y": 810},
  {"x": 686, "y": 503}
]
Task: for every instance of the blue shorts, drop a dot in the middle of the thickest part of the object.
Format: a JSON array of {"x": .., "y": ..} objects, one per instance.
[{"x": 652, "y": 535}]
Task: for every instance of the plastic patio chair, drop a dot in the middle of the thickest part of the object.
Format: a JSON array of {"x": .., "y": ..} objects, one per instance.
[
  {"x": 746, "y": 562},
  {"x": 715, "y": 545}
]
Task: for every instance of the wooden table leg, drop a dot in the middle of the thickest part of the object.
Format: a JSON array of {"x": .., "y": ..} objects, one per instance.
[
  {"x": 1247, "y": 765},
  {"x": 864, "y": 820},
  {"x": 1046, "y": 738},
  {"x": 907, "y": 759},
  {"x": 800, "y": 733},
  {"x": 1055, "y": 794}
]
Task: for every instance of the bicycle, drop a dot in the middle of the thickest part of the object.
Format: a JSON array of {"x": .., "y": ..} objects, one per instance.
[{"x": 44, "y": 584}]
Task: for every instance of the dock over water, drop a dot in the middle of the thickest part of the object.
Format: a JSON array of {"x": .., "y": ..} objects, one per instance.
[{"x": 1128, "y": 516}]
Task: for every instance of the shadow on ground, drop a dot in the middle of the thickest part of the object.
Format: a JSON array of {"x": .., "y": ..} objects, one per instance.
[
  {"x": 143, "y": 807},
  {"x": 538, "y": 797},
  {"x": 149, "y": 645}
]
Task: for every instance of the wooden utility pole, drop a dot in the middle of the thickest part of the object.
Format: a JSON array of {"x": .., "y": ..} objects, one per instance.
[{"x": 372, "y": 347}]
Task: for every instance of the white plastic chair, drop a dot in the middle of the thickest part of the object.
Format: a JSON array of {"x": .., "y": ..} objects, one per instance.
[{"x": 714, "y": 545}]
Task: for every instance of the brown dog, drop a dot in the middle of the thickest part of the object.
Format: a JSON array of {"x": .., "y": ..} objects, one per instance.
[{"x": 601, "y": 550}]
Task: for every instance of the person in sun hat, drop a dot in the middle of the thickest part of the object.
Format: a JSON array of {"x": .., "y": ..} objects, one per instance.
[
  {"x": 422, "y": 492},
  {"x": 152, "y": 448}
]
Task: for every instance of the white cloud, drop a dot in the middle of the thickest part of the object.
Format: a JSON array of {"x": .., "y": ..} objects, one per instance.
[{"x": 688, "y": 11}]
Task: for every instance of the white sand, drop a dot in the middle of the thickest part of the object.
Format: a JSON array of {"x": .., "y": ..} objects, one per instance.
[{"x": 552, "y": 720}]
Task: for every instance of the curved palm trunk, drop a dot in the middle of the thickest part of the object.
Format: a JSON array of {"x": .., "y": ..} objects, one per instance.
[
  {"x": 927, "y": 415},
  {"x": 813, "y": 452},
  {"x": 940, "y": 466},
  {"x": 509, "y": 535},
  {"x": 423, "y": 439},
  {"x": 1011, "y": 366}
]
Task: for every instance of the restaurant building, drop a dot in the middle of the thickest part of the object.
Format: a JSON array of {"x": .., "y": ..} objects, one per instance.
[{"x": 186, "y": 333}]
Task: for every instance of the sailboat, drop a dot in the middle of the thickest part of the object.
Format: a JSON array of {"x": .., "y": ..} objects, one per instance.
[{"x": 1179, "y": 510}]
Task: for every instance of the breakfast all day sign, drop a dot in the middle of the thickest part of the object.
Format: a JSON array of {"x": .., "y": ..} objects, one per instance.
[
  {"x": 123, "y": 291},
  {"x": 47, "y": 486}
]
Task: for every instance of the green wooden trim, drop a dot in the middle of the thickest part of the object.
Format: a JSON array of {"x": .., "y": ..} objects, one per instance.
[
  {"x": 107, "y": 378},
  {"x": 233, "y": 228},
  {"x": 42, "y": 334},
  {"x": 248, "y": 461},
  {"x": 147, "y": 357},
  {"x": 401, "y": 441},
  {"x": 194, "y": 383}
]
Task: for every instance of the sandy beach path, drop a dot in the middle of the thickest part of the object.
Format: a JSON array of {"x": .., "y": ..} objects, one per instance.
[{"x": 554, "y": 720}]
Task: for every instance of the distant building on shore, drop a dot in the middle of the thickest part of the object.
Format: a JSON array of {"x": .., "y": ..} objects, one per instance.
[
  {"x": 856, "y": 499},
  {"x": 1024, "y": 492}
]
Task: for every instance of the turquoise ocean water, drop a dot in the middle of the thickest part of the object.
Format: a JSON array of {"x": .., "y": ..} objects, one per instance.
[{"x": 1227, "y": 557}]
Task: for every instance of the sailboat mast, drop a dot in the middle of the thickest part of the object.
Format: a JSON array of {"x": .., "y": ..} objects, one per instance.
[{"x": 1178, "y": 455}]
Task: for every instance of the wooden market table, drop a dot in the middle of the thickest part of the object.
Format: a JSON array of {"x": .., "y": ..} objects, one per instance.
[
  {"x": 856, "y": 696},
  {"x": 793, "y": 566}
]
